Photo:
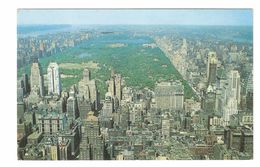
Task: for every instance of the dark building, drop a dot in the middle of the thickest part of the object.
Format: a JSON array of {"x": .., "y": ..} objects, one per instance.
[
  {"x": 26, "y": 83},
  {"x": 212, "y": 68},
  {"x": 240, "y": 139}
]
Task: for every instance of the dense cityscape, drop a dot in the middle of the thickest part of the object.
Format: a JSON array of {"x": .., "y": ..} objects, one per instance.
[{"x": 134, "y": 93}]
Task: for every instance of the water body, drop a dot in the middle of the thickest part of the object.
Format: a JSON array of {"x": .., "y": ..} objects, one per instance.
[
  {"x": 36, "y": 30},
  {"x": 85, "y": 54}
]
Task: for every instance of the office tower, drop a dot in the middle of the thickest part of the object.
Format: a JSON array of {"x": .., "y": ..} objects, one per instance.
[
  {"x": 84, "y": 144},
  {"x": 84, "y": 91},
  {"x": 54, "y": 83},
  {"x": 115, "y": 86},
  {"x": 209, "y": 103},
  {"x": 118, "y": 87},
  {"x": 20, "y": 90},
  {"x": 111, "y": 86},
  {"x": 61, "y": 106},
  {"x": 105, "y": 116},
  {"x": 91, "y": 146},
  {"x": 169, "y": 95},
  {"x": 88, "y": 89},
  {"x": 72, "y": 106},
  {"x": 86, "y": 75},
  {"x": 26, "y": 83},
  {"x": 98, "y": 148},
  {"x": 92, "y": 127},
  {"x": 212, "y": 68},
  {"x": 84, "y": 107},
  {"x": 20, "y": 112},
  {"x": 249, "y": 93},
  {"x": 108, "y": 106},
  {"x": 65, "y": 149},
  {"x": 230, "y": 109},
  {"x": 93, "y": 94},
  {"x": 165, "y": 127},
  {"x": 234, "y": 85},
  {"x": 37, "y": 78}
]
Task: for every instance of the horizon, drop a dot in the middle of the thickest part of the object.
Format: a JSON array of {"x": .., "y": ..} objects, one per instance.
[
  {"x": 214, "y": 17},
  {"x": 46, "y": 24}
]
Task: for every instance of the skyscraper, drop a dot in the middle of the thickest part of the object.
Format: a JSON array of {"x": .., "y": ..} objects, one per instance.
[
  {"x": 212, "y": 68},
  {"x": 232, "y": 96},
  {"x": 91, "y": 146},
  {"x": 88, "y": 89},
  {"x": 86, "y": 75},
  {"x": 105, "y": 115},
  {"x": 54, "y": 84},
  {"x": 249, "y": 93},
  {"x": 118, "y": 87},
  {"x": 26, "y": 83},
  {"x": 72, "y": 106},
  {"x": 115, "y": 86},
  {"x": 111, "y": 86},
  {"x": 37, "y": 78},
  {"x": 234, "y": 85}
]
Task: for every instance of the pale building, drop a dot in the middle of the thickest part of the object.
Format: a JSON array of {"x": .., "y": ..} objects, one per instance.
[
  {"x": 72, "y": 106},
  {"x": 37, "y": 78},
  {"x": 118, "y": 87},
  {"x": 169, "y": 95},
  {"x": 54, "y": 82},
  {"x": 234, "y": 85}
]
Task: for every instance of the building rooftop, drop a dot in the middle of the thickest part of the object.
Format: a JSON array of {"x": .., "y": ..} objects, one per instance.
[{"x": 34, "y": 135}]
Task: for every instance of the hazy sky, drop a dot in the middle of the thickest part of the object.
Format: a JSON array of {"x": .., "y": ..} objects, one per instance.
[{"x": 178, "y": 17}]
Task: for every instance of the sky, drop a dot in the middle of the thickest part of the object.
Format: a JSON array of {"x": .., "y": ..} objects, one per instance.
[{"x": 134, "y": 16}]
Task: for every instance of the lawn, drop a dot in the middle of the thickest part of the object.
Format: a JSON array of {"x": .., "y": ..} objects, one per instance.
[{"x": 141, "y": 66}]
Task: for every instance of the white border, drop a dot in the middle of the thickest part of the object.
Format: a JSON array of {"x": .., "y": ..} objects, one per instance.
[{"x": 8, "y": 74}]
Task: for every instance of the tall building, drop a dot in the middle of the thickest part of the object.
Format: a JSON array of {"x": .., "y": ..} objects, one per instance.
[
  {"x": 108, "y": 106},
  {"x": 92, "y": 145},
  {"x": 93, "y": 94},
  {"x": 234, "y": 85},
  {"x": 212, "y": 68},
  {"x": 249, "y": 93},
  {"x": 88, "y": 89},
  {"x": 92, "y": 127},
  {"x": 84, "y": 107},
  {"x": 166, "y": 127},
  {"x": 72, "y": 106},
  {"x": 86, "y": 75},
  {"x": 26, "y": 83},
  {"x": 54, "y": 83},
  {"x": 111, "y": 86},
  {"x": 118, "y": 87},
  {"x": 230, "y": 98},
  {"x": 115, "y": 86},
  {"x": 37, "y": 77},
  {"x": 65, "y": 149},
  {"x": 209, "y": 100},
  {"x": 169, "y": 95},
  {"x": 84, "y": 92},
  {"x": 105, "y": 116},
  {"x": 20, "y": 90},
  {"x": 20, "y": 112},
  {"x": 230, "y": 109}
]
